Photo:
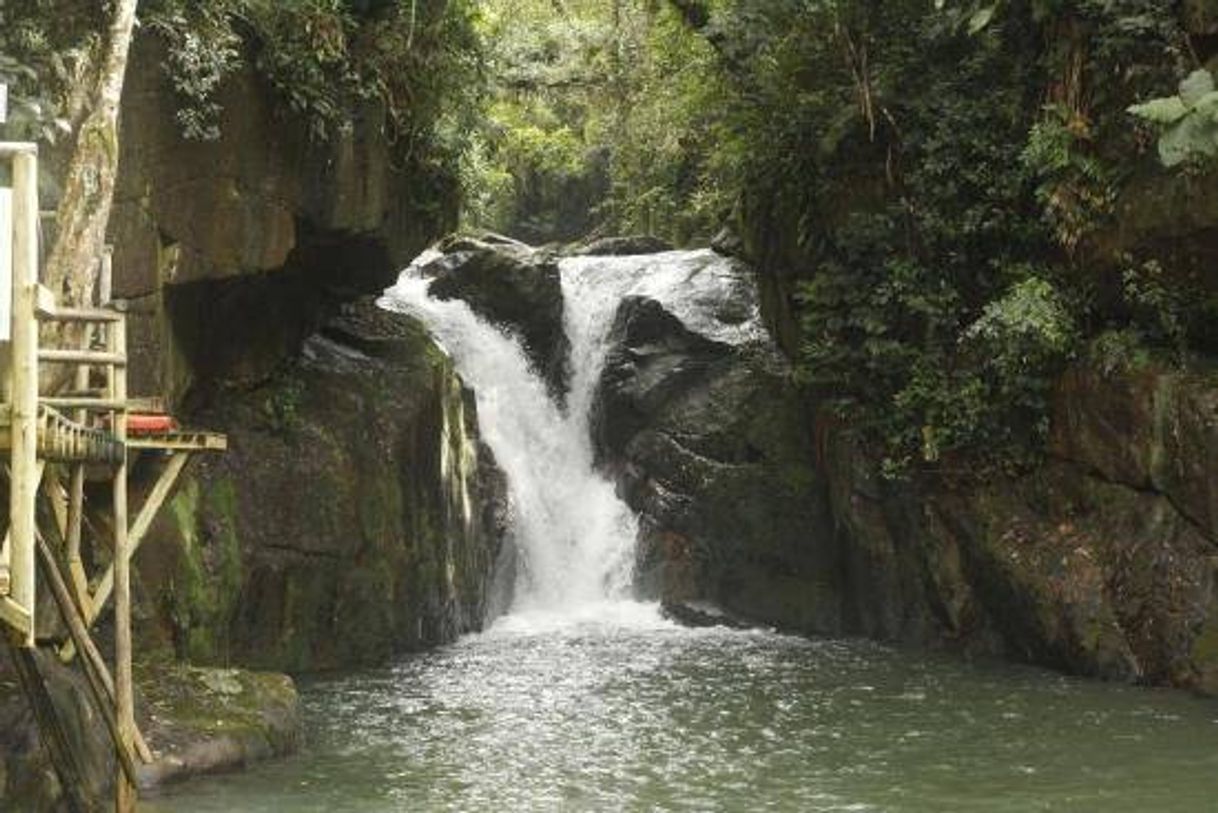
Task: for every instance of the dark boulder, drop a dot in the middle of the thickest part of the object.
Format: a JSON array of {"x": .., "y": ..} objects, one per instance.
[
  {"x": 654, "y": 359},
  {"x": 729, "y": 243},
  {"x": 623, "y": 246},
  {"x": 516, "y": 288},
  {"x": 710, "y": 442},
  {"x": 699, "y": 614}
]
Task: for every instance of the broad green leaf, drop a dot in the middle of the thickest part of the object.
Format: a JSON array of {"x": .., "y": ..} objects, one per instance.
[
  {"x": 1193, "y": 135},
  {"x": 1195, "y": 86},
  {"x": 1207, "y": 104},
  {"x": 981, "y": 19},
  {"x": 1168, "y": 110}
]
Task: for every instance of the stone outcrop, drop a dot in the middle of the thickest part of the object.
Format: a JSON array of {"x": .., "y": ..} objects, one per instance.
[
  {"x": 1101, "y": 563},
  {"x": 356, "y": 514},
  {"x": 710, "y": 442},
  {"x": 622, "y": 246},
  {"x": 195, "y": 720},
  {"x": 262, "y": 231},
  {"x": 515, "y": 287}
]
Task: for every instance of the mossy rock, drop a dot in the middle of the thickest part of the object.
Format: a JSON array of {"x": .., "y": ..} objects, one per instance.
[{"x": 331, "y": 533}]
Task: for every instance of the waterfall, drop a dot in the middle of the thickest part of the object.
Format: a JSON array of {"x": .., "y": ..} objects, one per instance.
[{"x": 575, "y": 537}]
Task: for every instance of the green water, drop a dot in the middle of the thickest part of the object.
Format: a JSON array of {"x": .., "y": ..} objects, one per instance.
[{"x": 620, "y": 711}]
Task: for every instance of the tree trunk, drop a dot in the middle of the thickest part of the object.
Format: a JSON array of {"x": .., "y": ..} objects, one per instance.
[{"x": 88, "y": 190}]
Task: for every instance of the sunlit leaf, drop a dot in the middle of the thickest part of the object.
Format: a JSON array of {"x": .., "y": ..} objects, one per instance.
[
  {"x": 1168, "y": 110},
  {"x": 1196, "y": 86},
  {"x": 981, "y": 18}
]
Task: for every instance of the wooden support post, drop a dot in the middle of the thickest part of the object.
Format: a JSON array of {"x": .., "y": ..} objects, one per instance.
[
  {"x": 100, "y": 682},
  {"x": 24, "y": 404},
  {"x": 125, "y": 791},
  {"x": 57, "y": 496},
  {"x": 139, "y": 529},
  {"x": 76, "y": 511},
  {"x": 76, "y": 494}
]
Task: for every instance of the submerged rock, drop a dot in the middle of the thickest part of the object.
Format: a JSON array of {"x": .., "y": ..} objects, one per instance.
[
  {"x": 201, "y": 720},
  {"x": 700, "y": 614}
]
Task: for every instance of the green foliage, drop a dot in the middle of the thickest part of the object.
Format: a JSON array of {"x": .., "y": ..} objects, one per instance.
[
  {"x": 202, "y": 49},
  {"x": 1165, "y": 307},
  {"x": 927, "y": 318},
  {"x": 1189, "y": 120},
  {"x": 1118, "y": 351},
  {"x": 602, "y": 116},
  {"x": 281, "y": 407},
  {"x": 416, "y": 62},
  {"x": 1076, "y": 189},
  {"x": 45, "y": 46},
  {"x": 948, "y": 167}
]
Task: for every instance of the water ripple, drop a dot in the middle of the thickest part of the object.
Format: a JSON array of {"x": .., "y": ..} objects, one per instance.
[{"x": 539, "y": 715}]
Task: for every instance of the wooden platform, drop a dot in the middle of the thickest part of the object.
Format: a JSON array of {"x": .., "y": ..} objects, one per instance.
[{"x": 64, "y": 412}]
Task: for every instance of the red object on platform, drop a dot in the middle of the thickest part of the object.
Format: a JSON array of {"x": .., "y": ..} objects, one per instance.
[{"x": 150, "y": 424}]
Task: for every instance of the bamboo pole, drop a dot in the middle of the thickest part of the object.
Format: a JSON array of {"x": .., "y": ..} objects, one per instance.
[
  {"x": 125, "y": 791},
  {"x": 23, "y": 426}
]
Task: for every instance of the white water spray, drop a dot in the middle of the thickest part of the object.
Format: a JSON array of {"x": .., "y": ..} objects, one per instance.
[{"x": 576, "y": 538}]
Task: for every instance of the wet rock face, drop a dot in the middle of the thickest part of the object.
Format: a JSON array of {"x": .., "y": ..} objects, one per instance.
[
  {"x": 653, "y": 361},
  {"x": 262, "y": 230},
  {"x": 1101, "y": 563},
  {"x": 516, "y": 288},
  {"x": 710, "y": 442},
  {"x": 356, "y": 514},
  {"x": 29, "y": 780}
]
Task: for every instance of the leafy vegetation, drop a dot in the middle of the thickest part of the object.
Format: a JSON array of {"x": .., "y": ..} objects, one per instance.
[
  {"x": 416, "y": 63},
  {"x": 932, "y": 183},
  {"x": 933, "y": 188},
  {"x": 45, "y": 46},
  {"x": 601, "y": 116},
  {"x": 331, "y": 60},
  {"x": 1190, "y": 119}
]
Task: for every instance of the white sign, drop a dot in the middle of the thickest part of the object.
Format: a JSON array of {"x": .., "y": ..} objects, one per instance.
[
  {"x": 6, "y": 263},
  {"x": 3, "y": 103}
]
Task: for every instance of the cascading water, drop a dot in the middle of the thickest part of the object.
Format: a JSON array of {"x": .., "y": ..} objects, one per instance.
[{"x": 575, "y": 536}]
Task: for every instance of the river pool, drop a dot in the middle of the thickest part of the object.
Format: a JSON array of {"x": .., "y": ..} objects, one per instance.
[{"x": 617, "y": 709}]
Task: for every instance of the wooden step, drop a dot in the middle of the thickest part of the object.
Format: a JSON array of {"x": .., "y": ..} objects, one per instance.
[
  {"x": 47, "y": 310},
  {"x": 82, "y": 357}
]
